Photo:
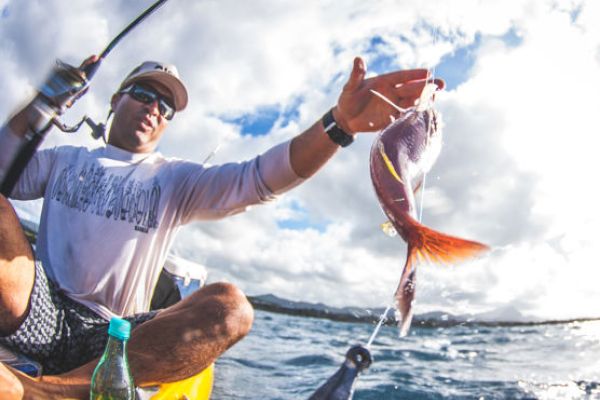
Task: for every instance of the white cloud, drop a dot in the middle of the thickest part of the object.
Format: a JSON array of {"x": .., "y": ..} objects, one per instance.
[{"x": 515, "y": 172}]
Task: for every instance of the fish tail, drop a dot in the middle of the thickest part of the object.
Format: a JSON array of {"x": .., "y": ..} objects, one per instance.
[
  {"x": 405, "y": 293},
  {"x": 426, "y": 244},
  {"x": 431, "y": 245}
]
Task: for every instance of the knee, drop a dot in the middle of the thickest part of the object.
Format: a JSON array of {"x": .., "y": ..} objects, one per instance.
[
  {"x": 240, "y": 314},
  {"x": 9, "y": 218},
  {"x": 236, "y": 312}
]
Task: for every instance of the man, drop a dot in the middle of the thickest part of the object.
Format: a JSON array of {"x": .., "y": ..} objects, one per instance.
[{"x": 111, "y": 214}]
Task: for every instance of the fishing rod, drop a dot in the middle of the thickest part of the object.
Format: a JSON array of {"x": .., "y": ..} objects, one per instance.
[
  {"x": 91, "y": 69},
  {"x": 65, "y": 85}
]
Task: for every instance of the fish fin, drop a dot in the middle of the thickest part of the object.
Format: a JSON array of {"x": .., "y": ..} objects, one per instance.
[
  {"x": 389, "y": 229},
  {"x": 405, "y": 293},
  {"x": 440, "y": 248}
]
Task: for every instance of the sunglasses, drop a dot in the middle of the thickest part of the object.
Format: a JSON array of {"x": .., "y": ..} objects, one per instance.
[{"x": 145, "y": 95}]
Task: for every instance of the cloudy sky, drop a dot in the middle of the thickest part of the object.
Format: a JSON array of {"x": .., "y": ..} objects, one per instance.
[{"x": 517, "y": 171}]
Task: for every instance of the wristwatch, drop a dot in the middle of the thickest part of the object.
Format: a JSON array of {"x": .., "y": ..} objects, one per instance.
[{"x": 335, "y": 133}]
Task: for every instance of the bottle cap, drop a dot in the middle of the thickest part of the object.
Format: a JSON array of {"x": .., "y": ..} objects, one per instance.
[{"x": 119, "y": 328}]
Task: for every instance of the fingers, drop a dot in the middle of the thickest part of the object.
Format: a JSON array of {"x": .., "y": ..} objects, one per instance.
[
  {"x": 90, "y": 60},
  {"x": 409, "y": 92},
  {"x": 398, "y": 78},
  {"x": 359, "y": 70},
  {"x": 357, "y": 75},
  {"x": 405, "y": 75}
]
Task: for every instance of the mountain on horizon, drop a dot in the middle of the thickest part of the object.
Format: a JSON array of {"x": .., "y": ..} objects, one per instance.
[{"x": 504, "y": 316}]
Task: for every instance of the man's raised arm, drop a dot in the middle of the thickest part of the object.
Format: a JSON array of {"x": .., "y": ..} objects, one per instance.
[{"x": 357, "y": 110}]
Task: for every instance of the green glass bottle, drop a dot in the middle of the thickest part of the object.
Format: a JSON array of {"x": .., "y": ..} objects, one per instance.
[{"x": 112, "y": 378}]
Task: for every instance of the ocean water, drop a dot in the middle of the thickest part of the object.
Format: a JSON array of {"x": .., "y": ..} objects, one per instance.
[{"x": 288, "y": 357}]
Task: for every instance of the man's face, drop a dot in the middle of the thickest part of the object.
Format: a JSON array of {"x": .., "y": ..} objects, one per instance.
[{"x": 137, "y": 127}]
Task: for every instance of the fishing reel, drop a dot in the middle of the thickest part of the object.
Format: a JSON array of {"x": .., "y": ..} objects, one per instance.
[
  {"x": 65, "y": 85},
  {"x": 340, "y": 386}
]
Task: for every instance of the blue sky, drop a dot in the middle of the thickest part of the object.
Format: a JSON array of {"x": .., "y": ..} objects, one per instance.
[
  {"x": 514, "y": 171},
  {"x": 453, "y": 67}
]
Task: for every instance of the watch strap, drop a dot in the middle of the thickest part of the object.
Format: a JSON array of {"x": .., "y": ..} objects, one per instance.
[{"x": 335, "y": 133}]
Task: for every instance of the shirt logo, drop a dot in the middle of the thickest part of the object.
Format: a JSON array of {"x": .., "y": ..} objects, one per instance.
[{"x": 120, "y": 198}]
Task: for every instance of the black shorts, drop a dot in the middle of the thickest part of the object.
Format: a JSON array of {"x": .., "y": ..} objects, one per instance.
[{"x": 59, "y": 332}]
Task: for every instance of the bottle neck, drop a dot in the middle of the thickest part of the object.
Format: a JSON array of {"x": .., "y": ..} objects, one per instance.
[{"x": 115, "y": 345}]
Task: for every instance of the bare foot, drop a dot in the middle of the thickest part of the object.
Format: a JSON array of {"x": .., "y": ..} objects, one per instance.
[
  {"x": 10, "y": 386},
  {"x": 15, "y": 385}
]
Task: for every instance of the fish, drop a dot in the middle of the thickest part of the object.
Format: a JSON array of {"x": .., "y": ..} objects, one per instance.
[{"x": 401, "y": 154}]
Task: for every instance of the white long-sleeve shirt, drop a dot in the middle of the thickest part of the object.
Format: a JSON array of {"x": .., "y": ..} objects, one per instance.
[{"x": 110, "y": 216}]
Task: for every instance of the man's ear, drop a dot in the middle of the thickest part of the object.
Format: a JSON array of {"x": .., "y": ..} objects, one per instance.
[{"x": 114, "y": 100}]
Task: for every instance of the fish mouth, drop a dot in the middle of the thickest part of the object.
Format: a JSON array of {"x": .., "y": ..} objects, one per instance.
[{"x": 425, "y": 102}]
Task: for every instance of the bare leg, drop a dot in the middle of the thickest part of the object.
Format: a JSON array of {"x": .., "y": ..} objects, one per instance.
[
  {"x": 186, "y": 338},
  {"x": 16, "y": 282},
  {"x": 17, "y": 270},
  {"x": 17, "y": 386},
  {"x": 179, "y": 342}
]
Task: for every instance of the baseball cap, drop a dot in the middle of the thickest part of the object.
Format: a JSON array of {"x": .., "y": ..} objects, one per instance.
[{"x": 165, "y": 74}]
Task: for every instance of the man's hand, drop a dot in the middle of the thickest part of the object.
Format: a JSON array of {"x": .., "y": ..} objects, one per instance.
[
  {"x": 40, "y": 110},
  {"x": 90, "y": 60},
  {"x": 65, "y": 85},
  {"x": 358, "y": 110}
]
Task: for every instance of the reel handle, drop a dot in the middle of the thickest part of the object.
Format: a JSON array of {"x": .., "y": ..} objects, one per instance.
[{"x": 340, "y": 386}]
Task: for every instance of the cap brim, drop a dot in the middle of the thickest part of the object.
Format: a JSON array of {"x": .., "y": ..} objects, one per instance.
[{"x": 172, "y": 83}]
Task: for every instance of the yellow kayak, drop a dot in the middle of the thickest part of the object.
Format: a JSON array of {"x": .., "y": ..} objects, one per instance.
[{"x": 198, "y": 387}]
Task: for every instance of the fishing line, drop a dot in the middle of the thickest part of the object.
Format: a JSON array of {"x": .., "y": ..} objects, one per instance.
[
  {"x": 212, "y": 154},
  {"x": 431, "y": 70},
  {"x": 382, "y": 319},
  {"x": 422, "y": 198},
  {"x": 391, "y": 103}
]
